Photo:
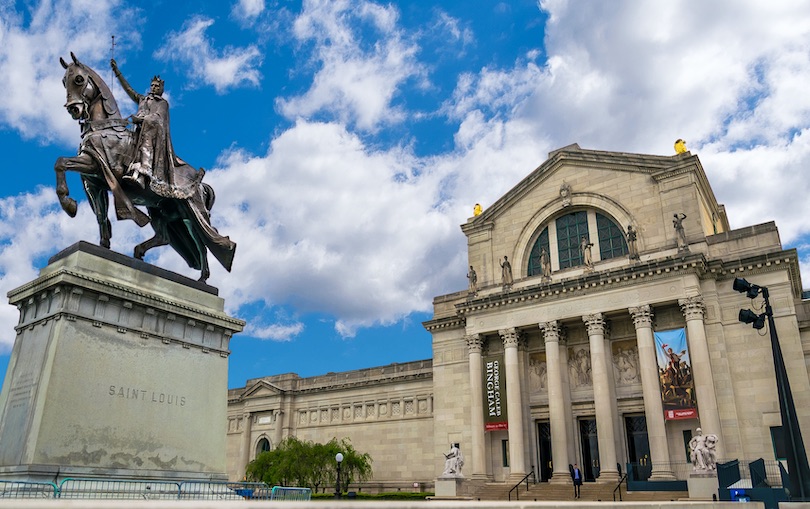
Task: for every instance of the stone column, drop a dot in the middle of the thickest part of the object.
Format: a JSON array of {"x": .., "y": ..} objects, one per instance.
[
  {"x": 477, "y": 453},
  {"x": 514, "y": 399},
  {"x": 278, "y": 417},
  {"x": 693, "y": 310},
  {"x": 556, "y": 404},
  {"x": 651, "y": 389},
  {"x": 566, "y": 387},
  {"x": 246, "y": 442},
  {"x": 601, "y": 399}
]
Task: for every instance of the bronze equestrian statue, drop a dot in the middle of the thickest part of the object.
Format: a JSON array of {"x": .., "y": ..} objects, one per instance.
[{"x": 138, "y": 167}]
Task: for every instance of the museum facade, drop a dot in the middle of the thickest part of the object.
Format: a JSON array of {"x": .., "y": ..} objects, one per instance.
[{"x": 600, "y": 327}]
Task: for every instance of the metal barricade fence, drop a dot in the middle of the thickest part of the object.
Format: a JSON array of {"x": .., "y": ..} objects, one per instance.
[
  {"x": 121, "y": 489},
  {"x": 290, "y": 493},
  {"x": 27, "y": 489},
  {"x": 118, "y": 489},
  {"x": 210, "y": 490}
]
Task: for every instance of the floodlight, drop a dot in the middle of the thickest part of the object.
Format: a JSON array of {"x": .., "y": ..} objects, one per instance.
[
  {"x": 748, "y": 316},
  {"x": 743, "y": 286}
]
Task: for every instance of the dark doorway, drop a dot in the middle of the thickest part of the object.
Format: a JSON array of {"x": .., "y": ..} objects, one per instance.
[
  {"x": 590, "y": 449},
  {"x": 638, "y": 446},
  {"x": 544, "y": 447}
]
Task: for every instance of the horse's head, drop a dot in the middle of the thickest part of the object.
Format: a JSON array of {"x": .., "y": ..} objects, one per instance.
[{"x": 84, "y": 88}]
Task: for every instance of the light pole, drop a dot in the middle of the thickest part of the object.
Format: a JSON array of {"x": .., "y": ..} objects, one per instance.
[
  {"x": 796, "y": 454},
  {"x": 339, "y": 460}
]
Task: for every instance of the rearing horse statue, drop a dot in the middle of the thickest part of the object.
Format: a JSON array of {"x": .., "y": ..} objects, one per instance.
[{"x": 178, "y": 207}]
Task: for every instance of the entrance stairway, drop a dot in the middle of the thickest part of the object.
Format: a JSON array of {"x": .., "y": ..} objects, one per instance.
[{"x": 562, "y": 492}]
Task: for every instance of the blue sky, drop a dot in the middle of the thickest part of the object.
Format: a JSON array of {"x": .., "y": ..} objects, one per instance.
[{"x": 348, "y": 140}]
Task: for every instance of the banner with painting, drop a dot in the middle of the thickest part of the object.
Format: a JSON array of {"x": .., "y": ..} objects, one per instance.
[
  {"x": 494, "y": 386},
  {"x": 675, "y": 375}
]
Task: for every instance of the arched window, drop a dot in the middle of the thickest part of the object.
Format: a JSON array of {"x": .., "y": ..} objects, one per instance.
[
  {"x": 561, "y": 239},
  {"x": 535, "y": 268},
  {"x": 611, "y": 238},
  {"x": 262, "y": 446}
]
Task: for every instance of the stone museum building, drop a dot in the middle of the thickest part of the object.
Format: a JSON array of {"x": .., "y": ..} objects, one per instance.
[{"x": 600, "y": 327}]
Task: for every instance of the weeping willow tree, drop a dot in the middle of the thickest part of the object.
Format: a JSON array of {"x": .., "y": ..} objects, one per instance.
[{"x": 296, "y": 462}]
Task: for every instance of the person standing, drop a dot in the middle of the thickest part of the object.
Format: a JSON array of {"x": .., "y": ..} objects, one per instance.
[{"x": 576, "y": 477}]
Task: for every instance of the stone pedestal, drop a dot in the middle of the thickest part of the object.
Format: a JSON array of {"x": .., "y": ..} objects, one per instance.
[
  {"x": 702, "y": 486},
  {"x": 119, "y": 369},
  {"x": 449, "y": 487}
]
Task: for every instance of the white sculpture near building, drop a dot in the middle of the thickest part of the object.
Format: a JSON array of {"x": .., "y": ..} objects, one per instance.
[
  {"x": 703, "y": 452},
  {"x": 453, "y": 462}
]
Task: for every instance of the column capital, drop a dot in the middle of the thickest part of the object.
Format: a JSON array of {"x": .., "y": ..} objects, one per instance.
[
  {"x": 475, "y": 343},
  {"x": 642, "y": 316},
  {"x": 693, "y": 308},
  {"x": 553, "y": 332},
  {"x": 595, "y": 323},
  {"x": 510, "y": 337}
]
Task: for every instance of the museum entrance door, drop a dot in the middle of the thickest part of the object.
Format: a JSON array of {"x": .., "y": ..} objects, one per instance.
[
  {"x": 544, "y": 450},
  {"x": 638, "y": 446},
  {"x": 590, "y": 449}
]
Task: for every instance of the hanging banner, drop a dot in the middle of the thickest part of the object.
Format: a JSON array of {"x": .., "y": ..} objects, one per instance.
[
  {"x": 675, "y": 375},
  {"x": 494, "y": 386}
]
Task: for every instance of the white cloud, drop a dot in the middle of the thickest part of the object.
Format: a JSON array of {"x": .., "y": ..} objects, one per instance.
[
  {"x": 357, "y": 79},
  {"x": 334, "y": 227},
  {"x": 635, "y": 76},
  {"x": 31, "y": 44},
  {"x": 248, "y": 9},
  {"x": 230, "y": 67},
  {"x": 275, "y": 332}
]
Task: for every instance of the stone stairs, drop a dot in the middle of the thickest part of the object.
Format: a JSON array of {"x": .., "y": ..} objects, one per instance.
[{"x": 561, "y": 492}]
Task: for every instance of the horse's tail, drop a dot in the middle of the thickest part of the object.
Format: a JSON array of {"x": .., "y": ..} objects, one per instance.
[{"x": 208, "y": 196}]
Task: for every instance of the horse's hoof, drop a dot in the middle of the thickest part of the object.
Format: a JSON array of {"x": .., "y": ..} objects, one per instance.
[
  {"x": 138, "y": 254},
  {"x": 105, "y": 244}
]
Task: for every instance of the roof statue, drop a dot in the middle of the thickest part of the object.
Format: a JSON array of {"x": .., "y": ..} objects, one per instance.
[
  {"x": 136, "y": 163},
  {"x": 680, "y": 146}
]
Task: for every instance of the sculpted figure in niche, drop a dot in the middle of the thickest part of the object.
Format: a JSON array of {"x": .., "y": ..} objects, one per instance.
[
  {"x": 585, "y": 249},
  {"x": 506, "y": 273},
  {"x": 473, "y": 280},
  {"x": 632, "y": 237},
  {"x": 680, "y": 234},
  {"x": 453, "y": 462},
  {"x": 545, "y": 263}
]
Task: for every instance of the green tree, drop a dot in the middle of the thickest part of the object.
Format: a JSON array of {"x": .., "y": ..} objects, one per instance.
[{"x": 302, "y": 463}]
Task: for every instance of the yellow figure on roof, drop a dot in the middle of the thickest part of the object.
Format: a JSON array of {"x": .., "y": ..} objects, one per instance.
[
  {"x": 477, "y": 209},
  {"x": 680, "y": 146}
]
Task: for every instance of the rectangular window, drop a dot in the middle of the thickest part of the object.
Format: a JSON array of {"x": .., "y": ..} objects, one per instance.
[
  {"x": 505, "y": 452},
  {"x": 778, "y": 440},
  {"x": 687, "y": 437}
]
